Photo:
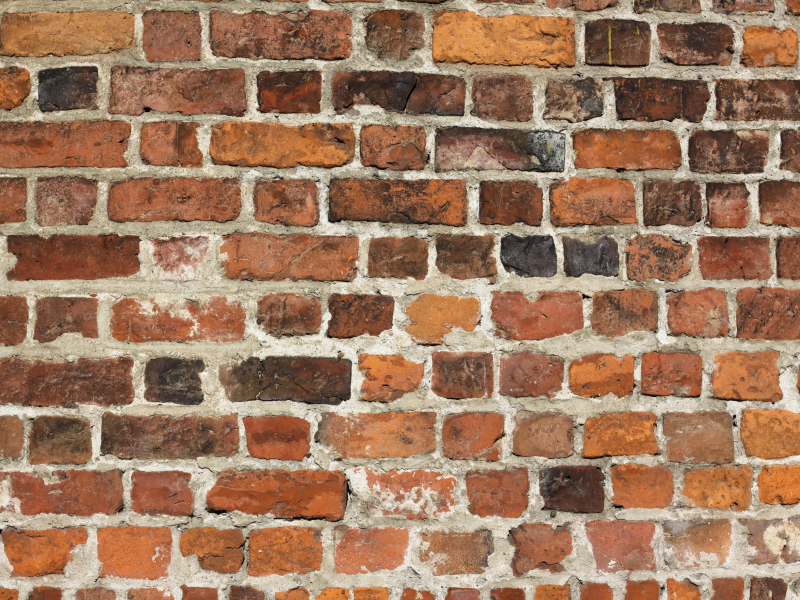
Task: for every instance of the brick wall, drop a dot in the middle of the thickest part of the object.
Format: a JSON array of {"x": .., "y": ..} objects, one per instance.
[{"x": 399, "y": 301}]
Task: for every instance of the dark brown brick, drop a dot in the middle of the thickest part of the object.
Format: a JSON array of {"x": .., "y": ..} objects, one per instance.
[
  {"x": 170, "y": 144},
  {"x": 57, "y": 316},
  {"x": 358, "y": 314},
  {"x": 696, "y": 44},
  {"x": 617, "y": 43},
  {"x": 758, "y": 99},
  {"x": 743, "y": 6},
  {"x": 790, "y": 150},
  {"x": 787, "y": 254},
  {"x": 462, "y": 375},
  {"x": 398, "y": 258},
  {"x": 394, "y": 34},
  {"x": 574, "y": 101},
  {"x": 289, "y": 91},
  {"x": 397, "y": 148},
  {"x": 734, "y": 257},
  {"x": 68, "y": 88},
  {"x": 683, "y": 6},
  {"x": 289, "y": 314},
  {"x": 728, "y": 205},
  {"x": 590, "y": 256},
  {"x": 767, "y": 588},
  {"x": 618, "y": 313},
  {"x": 728, "y": 151},
  {"x": 399, "y": 92},
  {"x": 654, "y": 99},
  {"x": 286, "y": 202},
  {"x": 465, "y": 148},
  {"x": 669, "y": 202},
  {"x": 466, "y": 256},
  {"x": 502, "y": 97},
  {"x": 768, "y": 314},
  {"x": 13, "y": 320},
  {"x": 171, "y": 36},
  {"x": 442, "y": 95},
  {"x": 573, "y": 489},
  {"x": 60, "y": 440},
  {"x": 510, "y": 202},
  {"x": 174, "y": 380}
]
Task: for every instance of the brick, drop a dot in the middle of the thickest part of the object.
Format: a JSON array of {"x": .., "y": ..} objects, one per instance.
[
  {"x": 728, "y": 151},
  {"x": 772, "y": 541},
  {"x": 361, "y": 551},
  {"x": 654, "y": 99},
  {"x": 353, "y": 315},
  {"x": 10, "y": 594},
  {"x": 174, "y": 380},
  {"x": 405, "y": 91},
  {"x": 552, "y": 314},
  {"x": 668, "y": 202},
  {"x": 672, "y": 374},
  {"x": 15, "y": 83},
  {"x": 696, "y": 44},
  {"x": 472, "y": 436},
  {"x": 463, "y": 148},
  {"x": 371, "y": 593},
  {"x": 244, "y": 144},
  {"x": 388, "y": 377},
  {"x": 510, "y": 202},
  {"x": 539, "y": 546},
  {"x": 455, "y": 552},
  {"x": 501, "y": 493},
  {"x": 462, "y": 594},
  {"x": 618, "y": 313},
  {"x": 787, "y": 255},
  {"x": 653, "y": 256},
  {"x": 62, "y": 257},
  {"x": 461, "y": 375},
  {"x": 298, "y": 378},
  {"x": 626, "y": 149},
  {"x": 58, "y": 316},
  {"x": 198, "y": 593},
  {"x": 700, "y": 437},
  {"x": 168, "y": 438},
  {"x": 286, "y": 202},
  {"x": 790, "y": 151},
  {"x": 641, "y": 590},
  {"x": 60, "y": 440},
  {"x": 779, "y": 484},
  {"x": 734, "y": 257},
  {"x": 573, "y": 101},
  {"x": 134, "y": 552},
  {"x": 543, "y": 434},
  {"x": 305, "y": 494},
  {"x": 682, "y": 590},
  {"x": 594, "y": 591},
  {"x": 171, "y": 36},
  {"x": 81, "y": 493},
  {"x": 12, "y": 438},
  {"x": 528, "y": 374},
  {"x": 531, "y": 256},
  {"x": 46, "y": 593},
  {"x": 757, "y": 99},
  {"x": 289, "y": 91},
  {"x": 13, "y": 196},
  {"x": 65, "y": 200},
  {"x": 770, "y": 434},
  {"x": 462, "y": 36},
  {"x": 618, "y": 43},
  {"x": 149, "y": 594},
  {"x": 216, "y": 549},
  {"x": 148, "y": 199},
  {"x": 278, "y": 437},
  {"x": 214, "y": 319},
  {"x": 577, "y": 489},
  {"x": 162, "y": 493},
  {"x": 592, "y": 202},
  {"x": 442, "y": 95},
  {"x": 552, "y": 592},
  {"x": 622, "y": 545},
  {"x": 250, "y": 593},
  {"x": 640, "y": 486},
  {"x": 395, "y": 201},
  {"x": 67, "y": 88},
  {"x": 396, "y": 148},
  {"x": 180, "y": 257},
  {"x": 79, "y": 144},
  {"x": 398, "y": 258},
  {"x": 767, "y": 588},
  {"x": 725, "y": 488},
  {"x": 590, "y": 256},
  {"x": 746, "y": 376},
  {"x": 698, "y": 313},
  {"x": 41, "y": 552},
  {"x": 170, "y": 144},
  {"x": 409, "y": 594},
  {"x": 14, "y": 323},
  {"x": 697, "y": 544},
  {"x": 620, "y": 434},
  {"x": 502, "y": 97},
  {"x": 378, "y": 435},
  {"x": 777, "y": 201},
  {"x": 728, "y": 588},
  {"x": 466, "y": 256},
  {"x": 65, "y": 34},
  {"x": 289, "y": 314},
  {"x": 318, "y": 34},
  {"x": 596, "y": 375},
  {"x": 728, "y": 205},
  {"x": 769, "y": 47},
  {"x": 95, "y": 594},
  {"x": 394, "y": 34},
  {"x": 414, "y": 495}
]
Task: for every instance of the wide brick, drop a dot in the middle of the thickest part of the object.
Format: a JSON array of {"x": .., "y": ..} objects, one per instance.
[
  {"x": 377, "y": 435},
  {"x": 398, "y": 258},
  {"x": 592, "y": 202},
  {"x": 412, "y": 93},
  {"x": 394, "y": 34},
  {"x": 757, "y": 99},
  {"x": 653, "y": 256},
  {"x": 510, "y": 202},
  {"x": 174, "y": 199},
  {"x": 770, "y": 434},
  {"x": 466, "y": 256},
  {"x": 502, "y": 97},
  {"x": 700, "y": 437},
  {"x": 216, "y": 549},
  {"x": 617, "y": 43},
  {"x": 472, "y": 148},
  {"x": 134, "y": 552},
  {"x": 787, "y": 255},
  {"x": 14, "y": 323},
  {"x": 461, "y": 375},
  {"x": 539, "y": 546},
  {"x": 67, "y": 88},
  {"x": 15, "y": 85},
  {"x": 388, "y": 377},
  {"x": 790, "y": 150},
  {"x": 668, "y": 202},
  {"x": 573, "y": 101},
  {"x": 414, "y": 495},
  {"x": 353, "y": 315},
  {"x": 289, "y": 92},
  {"x": 747, "y": 376},
  {"x": 396, "y": 148},
  {"x": 725, "y": 488},
  {"x": 672, "y": 374},
  {"x": 763, "y": 545},
  {"x": 304, "y": 494},
  {"x": 528, "y": 374},
  {"x": 462, "y": 36},
  {"x": 286, "y": 202},
  {"x": 250, "y": 593},
  {"x": 170, "y": 144},
  {"x": 41, "y": 552},
  {"x": 543, "y": 434},
  {"x": 552, "y": 314},
  {"x": 174, "y": 380},
  {"x": 531, "y": 256},
  {"x": 278, "y": 437},
  {"x": 778, "y": 202},
  {"x": 318, "y": 34},
  {"x": 553, "y": 592},
  {"x": 361, "y": 551},
  {"x": 734, "y": 257},
  {"x": 168, "y": 438},
  {"x": 640, "y": 486},
  {"x": 696, "y": 44},
  {"x": 472, "y": 436},
  {"x": 698, "y": 313},
  {"x": 728, "y": 151},
  {"x": 622, "y": 545},
  {"x": 171, "y": 36},
  {"x": 162, "y": 493},
  {"x": 577, "y": 489},
  {"x": 314, "y": 380},
  {"x": 457, "y": 552},
  {"x": 95, "y": 594},
  {"x": 728, "y": 588},
  {"x": 500, "y": 493},
  {"x": 596, "y": 375},
  {"x": 179, "y": 257},
  {"x": 81, "y": 493},
  {"x": 620, "y": 434},
  {"x": 65, "y": 200},
  {"x": 626, "y": 149},
  {"x": 60, "y": 440},
  {"x": 654, "y": 99},
  {"x": 767, "y": 588},
  {"x": 590, "y": 256},
  {"x": 618, "y": 313},
  {"x": 266, "y": 257},
  {"x": 779, "y": 484},
  {"x": 79, "y": 144},
  {"x": 65, "y": 34},
  {"x": 289, "y": 314},
  {"x": 12, "y": 437},
  {"x": 769, "y": 47},
  {"x": 728, "y": 205},
  {"x": 248, "y": 144}
]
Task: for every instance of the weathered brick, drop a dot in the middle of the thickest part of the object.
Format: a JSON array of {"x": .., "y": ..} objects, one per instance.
[
  {"x": 148, "y": 199},
  {"x": 767, "y": 588},
  {"x": 95, "y": 594},
  {"x": 171, "y": 36},
  {"x": 65, "y": 200},
  {"x": 198, "y": 593},
  {"x": 456, "y": 552},
  {"x": 465, "y": 148},
  {"x": 353, "y": 315},
  {"x": 289, "y": 314},
  {"x": 432, "y": 316},
  {"x": 699, "y": 313},
  {"x": 289, "y": 91},
  {"x": 278, "y": 437},
  {"x": 250, "y": 593},
  {"x": 700, "y": 437},
  {"x": 618, "y": 43},
  {"x": 682, "y": 590},
  {"x": 407, "y": 92},
  {"x": 531, "y": 256},
  {"x": 286, "y": 202},
  {"x": 13, "y": 321},
  {"x": 746, "y": 376},
  {"x": 73, "y": 257},
  {"x": 573, "y": 101},
  {"x": 57, "y": 316},
  {"x": 378, "y": 435},
  {"x": 552, "y": 592},
  {"x": 725, "y": 488},
  {"x": 626, "y": 149},
  {"x": 414, "y": 495},
  {"x": 388, "y": 377},
  {"x": 787, "y": 255},
  {"x": 594, "y": 591},
  {"x": 501, "y": 493},
  {"x": 12, "y": 437},
  {"x": 134, "y": 552},
  {"x": 466, "y": 256},
  {"x": 149, "y": 594},
  {"x": 396, "y": 148},
  {"x": 668, "y": 202},
  {"x": 641, "y": 590},
  {"x": 653, "y": 256},
  {"x": 769, "y": 47},
  {"x": 654, "y": 99},
  {"x": 779, "y": 484},
  {"x": 770, "y": 434},
  {"x": 472, "y": 436},
  {"x": 174, "y": 380},
  {"x": 577, "y": 489},
  {"x": 46, "y": 593},
  {"x": 592, "y": 202},
  {"x": 510, "y": 202},
  {"x": 170, "y": 144},
  {"x": 216, "y": 549},
  {"x": 162, "y": 493},
  {"x": 696, "y": 44},
  {"x": 60, "y": 440},
  {"x": 15, "y": 85},
  {"x": 757, "y": 99},
  {"x": 67, "y": 88},
  {"x": 640, "y": 486},
  {"x": 771, "y": 541},
  {"x": 180, "y": 257},
  {"x": 728, "y": 205},
  {"x": 734, "y": 257},
  {"x": 622, "y": 545},
  {"x": 65, "y": 33},
  {"x": 620, "y": 434},
  {"x": 618, "y": 313},
  {"x": 672, "y": 374},
  {"x": 13, "y": 196},
  {"x": 502, "y": 97},
  {"x": 81, "y": 493},
  {"x": 697, "y": 544},
  {"x": 590, "y": 256},
  {"x": 543, "y": 434},
  {"x": 778, "y": 202},
  {"x": 539, "y": 546},
  {"x": 361, "y": 551},
  {"x": 394, "y": 34},
  {"x": 596, "y": 375},
  {"x": 790, "y": 150},
  {"x": 728, "y": 588},
  {"x": 728, "y": 151},
  {"x": 41, "y": 552},
  {"x": 461, "y": 375},
  {"x": 529, "y": 375},
  {"x": 552, "y": 314},
  {"x": 398, "y": 258}
]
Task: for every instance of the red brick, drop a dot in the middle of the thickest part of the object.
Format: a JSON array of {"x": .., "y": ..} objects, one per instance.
[
  {"x": 198, "y": 593},
  {"x": 727, "y": 151},
  {"x": 700, "y": 437},
  {"x": 414, "y": 495},
  {"x": 641, "y": 590},
  {"x": 787, "y": 254},
  {"x": 286, "y": 202},
  {"x": 396, "y": 148},
  {"x": 653, "y": 256},
  {"x": 60, "y": 440},
  {"x": 15, "y": 83},
  {"x": 63, "y": 34},
  {"x": 734, "y": 258},
  {"x": 149, "y": 594},
  {"x": 552, "y": 592},
  {"x": 398, "y": 258},
  {"x": 594, "y": 591},
  {"x": 620, "y": 434},
  {"x": 790, "y": 150},
  {"x": 408, "y": 594},
  {"x": 95, "y": 594},
  {"x": 81, "y": 493},
  {"x": 171, "y": 36},
  {"x": 162, "y": 493},
  {"x": 654, "y": 99},
  {"x": 170, "y": 144},
  {"x": 552, "y": 314},
  {"x": 762, "y": 535},
  {"x": 134, "y": 552},
  {"x": 13, "y": 196},
  {"x": 45, "y": 593},
  {"x": 626, "y": 149},
  {"x": 353, "y": 315},
  {"x": 180, "y": 257},
  {"x": 682, "y": 590},
  {"x": 472, "y": 436},
  {"x": 510, "y": 202},
  {"x": 388, "y": 377},
  {"x": 285, "y": 550},
  {"x": 217, "y": 550},
  {"x": 728, "y": 588},
  {"x": 502, "y": 97},
  {"x": 728, "y": 205},
  {"x": 456, "y": 552},
  {"x": 592, "y": 202},
  {"x": 539, "y": 546},
  {"x": 41, "y": 552},
  {"x": 746, "y": 376},
  {"x": 13, "y": 320},
  {"x": 360, "y": 551},
  {"x": 11, "y": 437},
  {"x": 462, "y": 594},
  {"x": 696, "y": 43},
  {"x": 672, "y": 374},
  {"x": 464, "y": 148},
  {"x": 250, "y": 593},
  {"x": 768, "y": 314},
  {"x": 79, "y": 144},
  {"x": 528, "y": 374},
  {"x": 640, "y": 486},
  {"x": 698, "y": 313},
  {"x": 460, "y": 375},
  {"x": 394, "y": 34},
  {"x": 769, "y": 47},
  {"x": 278, "y": 437},
  {"x": 308, "y": 494},
  {"x": 777, "y": 201},
  {"x": 543, "y": 434},
  {"x": 622, "y": 545},
  {"x": 500, "y": 493},
  {"x": 596, "y": 375},
  {"x": 65, "y": 200},
  {"x": 697, "y": 544},
  {"x": 619, "y": 313},
  {"x": 148, "y": 199},
  {"x": 289, "y": 91},
  {"x": 73, "y": 257},
  {"x": 779, "y": 484},
  {"x": 725, "y": 488},
  {"x": 378, "y": 435}
]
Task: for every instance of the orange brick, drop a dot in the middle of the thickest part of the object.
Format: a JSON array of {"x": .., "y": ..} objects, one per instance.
[
  {"x": 769, "y": 47},
  {"x": 596, "y": 375},
  {"x": 620, "y": 434},
  {"x": 779, "y": 484},
  {"x": 640, "y": 486},
  {"x": 626, "y": 149},
  {"x": 134, "y": 552},
  {"x": 361, "y": 551},
  {"x": 285, "y": 550},
  {"x": 746, "y": 376},
  {"x": 726, "y": 488}
]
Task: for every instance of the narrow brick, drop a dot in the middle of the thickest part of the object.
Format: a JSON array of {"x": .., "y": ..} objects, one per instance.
[
  {"x": 286, "y": 202},
  {"x": 12, "y": 437},
  {"x": 414, "y": 495},
  {"x": 179, "y": 257},
  {"x": 787, "y": 254},
  {"x": 543, "y": 434},
  {"x": 14, "y": 324},
  {"x": 13, "y": 196}
]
